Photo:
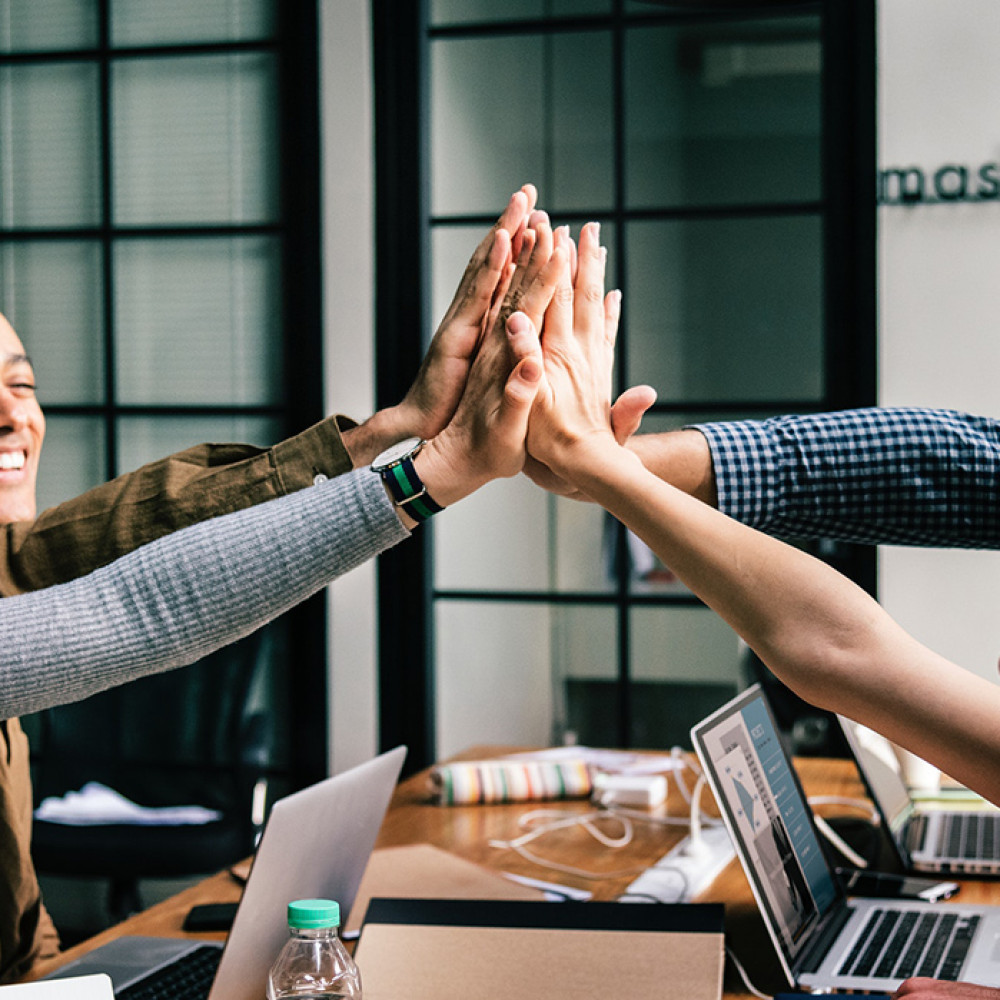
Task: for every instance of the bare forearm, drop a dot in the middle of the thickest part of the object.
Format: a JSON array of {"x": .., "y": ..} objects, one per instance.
[
  {"x": 681, "y": 458},
  {"x": 821, "y": 634},
  {"x": 776, "y": 597}
]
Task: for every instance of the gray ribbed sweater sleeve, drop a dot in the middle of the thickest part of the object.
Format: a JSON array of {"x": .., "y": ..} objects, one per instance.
[{"x": 174, "y": 600}]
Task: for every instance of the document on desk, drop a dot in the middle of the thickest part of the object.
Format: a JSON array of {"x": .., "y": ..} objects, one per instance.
[{"x": 466, "y": 949}]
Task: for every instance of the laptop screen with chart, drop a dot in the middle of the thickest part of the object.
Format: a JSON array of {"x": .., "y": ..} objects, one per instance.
[
  {"x": 751, "y": 772},
  {"x": 825, "y": 940}
]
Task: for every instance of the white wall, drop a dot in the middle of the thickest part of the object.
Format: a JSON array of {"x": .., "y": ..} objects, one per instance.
[
  {"x": 349, "y": 345},
  {"x": 939, "y": 274}
]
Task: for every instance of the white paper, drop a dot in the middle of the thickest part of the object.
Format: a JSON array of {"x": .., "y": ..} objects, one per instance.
[
  {"x": 95, "y": 987},
  {"x": 97, "y": 805}
]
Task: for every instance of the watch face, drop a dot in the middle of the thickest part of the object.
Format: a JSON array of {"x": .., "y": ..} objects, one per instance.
[{"x": 398, "y": 451}]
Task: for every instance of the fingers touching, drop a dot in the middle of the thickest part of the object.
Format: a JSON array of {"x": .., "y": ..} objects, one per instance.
[
  {"x": 431, "y": 401},
  {"x": 522, "y": 385},
  {"x": 531, "y": 286},
  {"x": 529, "y": 339}
]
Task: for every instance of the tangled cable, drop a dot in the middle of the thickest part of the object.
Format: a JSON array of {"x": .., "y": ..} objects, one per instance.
[{"x": 539, "y": 822}]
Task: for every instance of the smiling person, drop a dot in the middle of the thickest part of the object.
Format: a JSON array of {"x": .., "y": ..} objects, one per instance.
[
  {"x": 197, "y": 586},
  {"x": 22, "y": 429}
]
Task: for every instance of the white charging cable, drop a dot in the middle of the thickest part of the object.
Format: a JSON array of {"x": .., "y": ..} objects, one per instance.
[
  {"x": 696, "y": 846},
  {"x": 738, "y": 965},
  {"x": 831, "y": 835},
  {"x": 557, "y": 820}
]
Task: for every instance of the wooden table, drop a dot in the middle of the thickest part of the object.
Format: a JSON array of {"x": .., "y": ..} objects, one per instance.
[{"x": 467, "y": 831}]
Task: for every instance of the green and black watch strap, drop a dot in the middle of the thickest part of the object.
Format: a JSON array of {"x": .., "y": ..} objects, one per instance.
[{"x": 408, "y": 491}]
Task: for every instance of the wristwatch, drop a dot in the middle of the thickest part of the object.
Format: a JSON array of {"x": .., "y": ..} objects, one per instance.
[{"x": 395, "y": 466}]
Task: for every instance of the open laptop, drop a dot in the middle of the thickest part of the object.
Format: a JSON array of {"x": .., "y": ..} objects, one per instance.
[
  {"x": 936, "y": 839},
  {"x": 824, "y": 939},
  {"x": 316, "y": 844}
]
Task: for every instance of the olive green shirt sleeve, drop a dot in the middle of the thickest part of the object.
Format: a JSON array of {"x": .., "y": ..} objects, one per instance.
[{"x": 205, "y": 481}]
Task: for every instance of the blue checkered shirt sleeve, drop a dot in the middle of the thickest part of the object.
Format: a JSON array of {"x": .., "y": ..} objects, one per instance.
[{"x": 903, "y": 476}]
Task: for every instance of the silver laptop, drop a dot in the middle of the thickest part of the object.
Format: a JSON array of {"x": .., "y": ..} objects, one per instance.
[
  {"x": 824, "y": 939},
  {"x": 930, "y": 840},
  {"x": 316, "y": 844}
]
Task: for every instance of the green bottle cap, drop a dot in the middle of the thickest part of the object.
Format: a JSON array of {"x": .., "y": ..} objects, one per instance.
[{"x": 308, "y": 914}]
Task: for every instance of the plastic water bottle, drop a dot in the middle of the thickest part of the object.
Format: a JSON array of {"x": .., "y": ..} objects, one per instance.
[{"x": 314, "y": 964}]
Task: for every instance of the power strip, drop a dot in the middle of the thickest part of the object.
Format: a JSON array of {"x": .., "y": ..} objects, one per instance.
[{"x": 679, "y": 877}]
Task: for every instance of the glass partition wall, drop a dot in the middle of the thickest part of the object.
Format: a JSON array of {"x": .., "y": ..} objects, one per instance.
[
  {"x": 158, "y": 243},
  {"x": 711, "y": 147}
]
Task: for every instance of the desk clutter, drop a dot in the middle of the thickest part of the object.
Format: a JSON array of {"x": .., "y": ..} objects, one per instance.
[
  {"x": 624, "y": 789},
  {"x": 557, "y": 773},
  {"x": 448, "y": 902}
]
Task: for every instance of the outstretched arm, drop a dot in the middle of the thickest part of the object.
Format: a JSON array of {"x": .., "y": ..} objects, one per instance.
[
  {"x": 205, "y": 481},
  {"x": 880, "y": 475},
  {"x": 179, "y": 598},
  {"x": 898, "y": 475},
  {"x": 182, "y": 596},
  {"x": 816, "y": 630}
]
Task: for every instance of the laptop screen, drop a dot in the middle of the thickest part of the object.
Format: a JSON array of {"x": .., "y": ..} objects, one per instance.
[
  {"x": 768, "y": 818},
  {"x": 876, "y": 763}
]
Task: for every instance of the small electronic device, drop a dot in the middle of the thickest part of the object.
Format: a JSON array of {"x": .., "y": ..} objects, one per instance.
[
  {"x": 210, "y": 917},
  {"x": 637, "y": 790},
  {"x": 886, "y": 885}
]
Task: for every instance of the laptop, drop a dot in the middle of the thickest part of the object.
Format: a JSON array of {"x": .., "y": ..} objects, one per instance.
[
  {"x": 825, "y": 940},
  {"x": 316, "y": 844},
  {"x": 929, "y": 840}
]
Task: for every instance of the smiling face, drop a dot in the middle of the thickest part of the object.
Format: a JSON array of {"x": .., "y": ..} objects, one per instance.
[{"x": 22, "y": 429}]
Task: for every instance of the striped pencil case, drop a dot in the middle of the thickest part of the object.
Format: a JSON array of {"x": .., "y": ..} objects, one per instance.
[{"x": 470, "y": 782}]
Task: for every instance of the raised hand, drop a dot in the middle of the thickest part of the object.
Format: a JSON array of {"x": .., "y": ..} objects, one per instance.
[
  {"x": 627, "y": 412},
  {"x": 573, "y": 405},
  {"x": 580, "y": 306},
  {"x": 485, "y": 439},
  {"x": 431, "y": 401},
  {"x": 434, "y": 395}
]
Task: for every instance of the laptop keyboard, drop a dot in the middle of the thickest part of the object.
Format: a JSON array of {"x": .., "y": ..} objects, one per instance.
[
  {"x": 188, "y": 978},
  {"x": 972, "y": 836},
  {"x": 897, "y": 944}
]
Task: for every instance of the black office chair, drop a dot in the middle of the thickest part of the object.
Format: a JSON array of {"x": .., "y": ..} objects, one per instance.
[{"x": 182, "y": 738}]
